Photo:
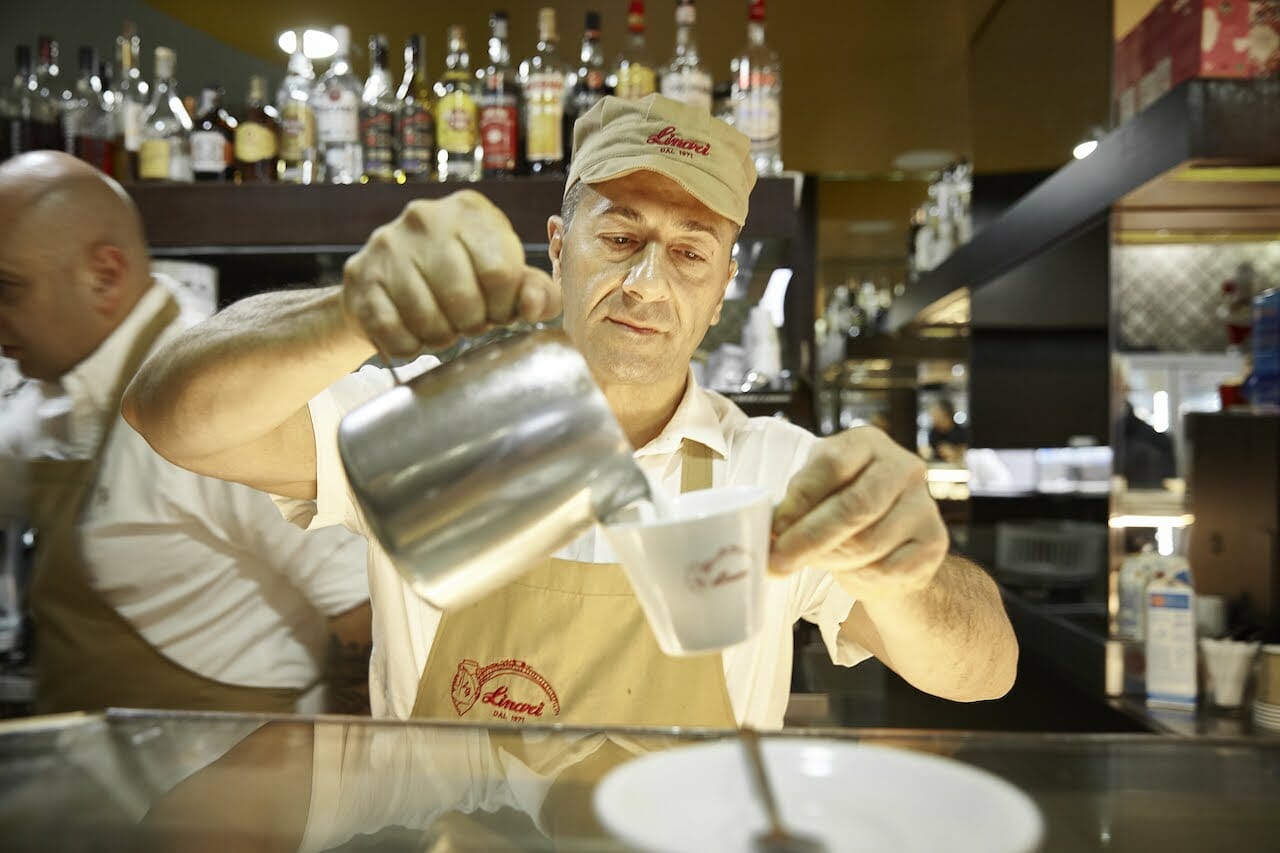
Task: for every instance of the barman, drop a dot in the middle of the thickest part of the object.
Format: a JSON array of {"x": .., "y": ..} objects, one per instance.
[
  {"x": 641, "y": 259},
  {"x": 153, "y": 586}
]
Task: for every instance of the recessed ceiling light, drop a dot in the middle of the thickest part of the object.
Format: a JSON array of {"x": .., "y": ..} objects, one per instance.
[
  {"x": 316, "y": 44},
  {"x": 924, "y": 159}
]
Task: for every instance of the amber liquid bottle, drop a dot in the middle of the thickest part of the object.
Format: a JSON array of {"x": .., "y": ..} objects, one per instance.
[{"x": 257, "y": 144}]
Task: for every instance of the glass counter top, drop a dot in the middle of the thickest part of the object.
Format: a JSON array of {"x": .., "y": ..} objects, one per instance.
[{"x": 143, "y": 781}]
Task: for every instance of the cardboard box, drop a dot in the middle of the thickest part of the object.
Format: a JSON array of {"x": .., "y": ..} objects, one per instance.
[{"x": 1184, "y": 39}]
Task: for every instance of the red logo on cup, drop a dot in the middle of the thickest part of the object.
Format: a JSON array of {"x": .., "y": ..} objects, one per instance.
[
  {"x": 668, "y": 138},
  {"x": 470, "y": 679},
  {"x": 728, "y": 565}
]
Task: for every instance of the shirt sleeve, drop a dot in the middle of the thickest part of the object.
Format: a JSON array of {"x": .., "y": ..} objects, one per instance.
[
  {"x": 334, "y": 503},
  {"x": 825, "y": 603}
]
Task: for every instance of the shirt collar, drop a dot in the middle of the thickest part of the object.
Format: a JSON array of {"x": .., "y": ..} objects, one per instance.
[
  {"x": 94, "y": 379},
  {"x": 696, "y": 419}
]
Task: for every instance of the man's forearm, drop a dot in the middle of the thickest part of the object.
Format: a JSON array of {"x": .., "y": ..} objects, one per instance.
[
  {"x": 243, "y": 372},
  {"x": 953, "y": 639}
]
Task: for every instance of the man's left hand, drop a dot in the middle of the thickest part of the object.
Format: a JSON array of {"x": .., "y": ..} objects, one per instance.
[{"x": 861, "y": 509}]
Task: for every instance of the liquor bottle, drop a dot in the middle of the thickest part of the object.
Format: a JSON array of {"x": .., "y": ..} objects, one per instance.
[
  {"x": 542, "y": 80},
  {"x": 633, "y": 73},
  {"x": 212, "y": 138},
  {"x": 416, "y": 132},
  {"x": 589, "y": 83},
  {"x": 378, "y": 115},
  {"x": 88, "y": 121},
  {"x": 30, "y": 122},
  {"x": 52, "y": 98},
  {"x": 165, "y": 153},
  {"x": 499, "y": 105},
  {"x": 685, "y": 78},
  {"x": 8, "y": 117},
  {"x": 757, "y": 95},
  {"x": 335, "y": 101},
  {"x": 297, "y": 122},
  {"x": 130, "y": 103},
  {"x": 257, "y": 144},
  {"x": 457, "y": 136}
]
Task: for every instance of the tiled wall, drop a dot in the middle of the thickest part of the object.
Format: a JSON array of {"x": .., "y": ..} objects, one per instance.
[{"x": 1166, "y": 298}]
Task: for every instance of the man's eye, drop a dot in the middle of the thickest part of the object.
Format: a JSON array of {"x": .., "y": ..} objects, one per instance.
[
  {"x": 618, "y": 241},
  {"x": 691, "y": 256}
]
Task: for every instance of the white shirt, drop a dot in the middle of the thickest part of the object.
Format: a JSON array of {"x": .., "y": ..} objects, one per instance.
[
  {"x": 760, "y": 451},
  {"x": 206, "y": 571}
]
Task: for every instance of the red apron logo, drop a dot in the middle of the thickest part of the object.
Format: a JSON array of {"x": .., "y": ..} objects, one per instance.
[
  {"x": 668, "y": 138},
  {"x": 728, "y": 565},
  {"x": 470, "y": 679}
]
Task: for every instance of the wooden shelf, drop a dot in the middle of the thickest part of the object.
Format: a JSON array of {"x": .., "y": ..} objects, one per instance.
[
  {"x": 1200, "y": 123},
  {"x": 284, "y": 218}
]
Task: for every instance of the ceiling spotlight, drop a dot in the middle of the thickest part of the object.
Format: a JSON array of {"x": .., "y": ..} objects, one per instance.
[
  {"x": 316, "y": 44},
  {"x": 1084, "y": 149}
]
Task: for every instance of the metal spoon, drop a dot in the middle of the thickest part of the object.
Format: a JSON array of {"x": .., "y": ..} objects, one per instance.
[{"x": 777, "y": 839}]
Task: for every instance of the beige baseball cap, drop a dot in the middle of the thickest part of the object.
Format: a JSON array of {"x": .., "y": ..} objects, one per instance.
[{"x": 710, "y": 159}]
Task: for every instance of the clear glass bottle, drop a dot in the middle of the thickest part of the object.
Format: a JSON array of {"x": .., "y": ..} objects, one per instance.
[
  {"x": 458, "y": 151},
  {"x": 257, "y": 138},
  {"x": 633, "y": 73},
  {"x": 685, "y": 78},
  {"x": 500, "y": 123},
  {"x": 130, "y": 103},
  {"x": 165, "y": 154},
  {"x": 211, "y": 138},
  {"x": 757, "y": 94},
  {"x": 416, "y": 131},
  {"x": 87, "y": 119},
  {"x": 297, "y": 122},
  {"x": 52, "y": 99},
  {"x": 589, "y": 81},
  {"x": 378, "y": 115},
  {"x": 542, "y": 81},
  {"x": 336, "y": 104}
]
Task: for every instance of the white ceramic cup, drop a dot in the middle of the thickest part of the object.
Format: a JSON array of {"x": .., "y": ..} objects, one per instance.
[{"x": 700, "y": 573}]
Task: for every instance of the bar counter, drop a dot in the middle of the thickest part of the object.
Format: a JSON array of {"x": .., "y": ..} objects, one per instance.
[{"x": 129, "y": 780}]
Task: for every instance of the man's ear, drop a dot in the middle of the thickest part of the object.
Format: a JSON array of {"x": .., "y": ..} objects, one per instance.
[
  {"x": 733, "y": 273},
  {"x": 108, "y": 270},
  {"x": 555, "y": 244}
]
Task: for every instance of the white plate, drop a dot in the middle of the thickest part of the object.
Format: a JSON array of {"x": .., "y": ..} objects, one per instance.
[{"x": 854, "y": 797}]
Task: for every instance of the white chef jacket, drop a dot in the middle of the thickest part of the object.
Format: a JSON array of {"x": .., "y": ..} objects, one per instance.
[
  {"x": 205, "y": 570},
  {"x": 759, "y": 451}
]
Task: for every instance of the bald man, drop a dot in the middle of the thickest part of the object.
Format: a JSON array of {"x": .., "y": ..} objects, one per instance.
[{"x": 153, "y": 587}]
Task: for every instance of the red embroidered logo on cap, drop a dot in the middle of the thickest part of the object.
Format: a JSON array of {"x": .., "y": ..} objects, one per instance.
[
  {"x": 470, "y": 679},
  {"x": 669, "y": 139}
]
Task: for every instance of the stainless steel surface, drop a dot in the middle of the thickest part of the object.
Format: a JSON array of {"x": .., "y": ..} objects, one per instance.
[
  {"x": 778, "y": 839},
  {"x": 473, "y": 472}
]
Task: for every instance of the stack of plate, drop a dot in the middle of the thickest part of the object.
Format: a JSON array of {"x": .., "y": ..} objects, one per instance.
[{"x": 1266, "y": 715}]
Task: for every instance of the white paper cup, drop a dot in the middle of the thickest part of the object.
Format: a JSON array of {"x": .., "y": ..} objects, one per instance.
[
  {"x": 700, "y": 574},
  {"x": 1228, "y": 663}
]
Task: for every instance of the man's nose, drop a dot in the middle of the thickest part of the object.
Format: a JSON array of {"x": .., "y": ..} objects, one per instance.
[{"x": 649, "y": 276}]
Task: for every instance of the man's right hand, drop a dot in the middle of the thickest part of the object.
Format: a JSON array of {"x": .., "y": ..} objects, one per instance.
[{"x": 443, "y": 268}]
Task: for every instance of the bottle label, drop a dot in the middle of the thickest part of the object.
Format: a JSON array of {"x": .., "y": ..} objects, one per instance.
[
  {"x": 544, "y": 110},
  {"x": 344, "y": 163},
  {"x": 417, "y": 141},
  {"x": 337, "y": 117},
  {"x": 297, "y": 131},
  {"x": 255, "y": 142},
  {"x": 635, "y": 81},
  {"x": 759, "y": 116},
  {"x": 153, "y": 160},
  {"x": 131, "y": 125},
  {"x": 378, "y": 136},
  {"x": 209, "y": 151},
  {"x": 456, "y": 123},
  {"x": 500, "y": 134},
  {"x": 689, "y": 85}
]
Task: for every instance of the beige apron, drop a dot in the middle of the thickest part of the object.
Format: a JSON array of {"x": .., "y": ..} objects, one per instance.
[
  {"x": 87, "y": 655},
  {"x": 568, "y": 643}
]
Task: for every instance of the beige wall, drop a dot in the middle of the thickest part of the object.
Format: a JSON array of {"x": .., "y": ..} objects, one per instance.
[{"x": 1129, "y": 12}]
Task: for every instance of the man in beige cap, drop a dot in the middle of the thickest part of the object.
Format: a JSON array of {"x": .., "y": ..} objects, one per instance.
[{"x": 642, "y": 254}]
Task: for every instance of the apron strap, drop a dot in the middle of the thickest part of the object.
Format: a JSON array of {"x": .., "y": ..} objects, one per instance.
[{"x": 695, "y": 466}]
